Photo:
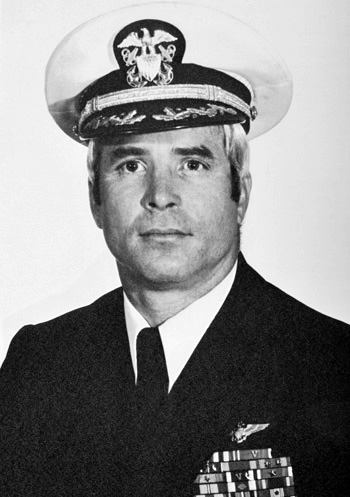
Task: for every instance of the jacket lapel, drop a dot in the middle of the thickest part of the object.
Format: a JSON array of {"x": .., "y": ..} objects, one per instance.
[{"x": 231, "y": 357}]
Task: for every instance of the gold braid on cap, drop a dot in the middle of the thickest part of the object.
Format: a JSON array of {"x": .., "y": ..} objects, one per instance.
[{"x": 191, "y": 91}]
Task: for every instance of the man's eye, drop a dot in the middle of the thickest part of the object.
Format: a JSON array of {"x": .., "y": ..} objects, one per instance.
[
  {"x": 194, "y": 165},
  {"x": 131, "y": 166}
]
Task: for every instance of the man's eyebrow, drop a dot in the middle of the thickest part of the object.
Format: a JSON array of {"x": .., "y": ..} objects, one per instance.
[
  {"x": 122, "y": 151},
  {"x": 200, "y": 151}
]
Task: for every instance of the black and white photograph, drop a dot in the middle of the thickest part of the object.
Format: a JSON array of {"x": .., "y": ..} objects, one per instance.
[{"x": 175, "y": 248}]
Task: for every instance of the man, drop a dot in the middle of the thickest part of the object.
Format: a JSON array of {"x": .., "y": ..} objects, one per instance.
[{"x": 197, "y": 377}]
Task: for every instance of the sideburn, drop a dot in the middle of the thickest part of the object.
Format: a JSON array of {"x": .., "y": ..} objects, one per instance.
[
  {"x": 96, "y": 194},
  {"x": 235, "y": 184}
]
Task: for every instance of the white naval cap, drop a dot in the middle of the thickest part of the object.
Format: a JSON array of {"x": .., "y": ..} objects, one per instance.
[{"x": 159, "y": 66}]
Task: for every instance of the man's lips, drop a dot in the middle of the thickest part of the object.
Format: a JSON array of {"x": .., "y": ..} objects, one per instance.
[{"x": 164, "y": 232}]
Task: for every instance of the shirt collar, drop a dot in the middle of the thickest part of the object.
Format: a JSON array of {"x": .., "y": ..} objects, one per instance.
[{"x": 181, "y": 333}]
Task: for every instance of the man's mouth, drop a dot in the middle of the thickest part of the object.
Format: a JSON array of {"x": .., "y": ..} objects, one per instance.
[{"x": 164, "y": 232}]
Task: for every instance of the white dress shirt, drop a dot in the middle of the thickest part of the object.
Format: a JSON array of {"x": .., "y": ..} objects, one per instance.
[{"x": 181, "y": 333}]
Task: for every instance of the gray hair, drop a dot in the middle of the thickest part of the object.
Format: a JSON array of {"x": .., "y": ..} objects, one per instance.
[{"x": 236, "y": 147}]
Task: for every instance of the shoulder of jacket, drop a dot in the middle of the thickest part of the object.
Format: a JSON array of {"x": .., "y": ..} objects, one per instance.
[
  {"x": 31, "y": 336},
  {"x": 273, "y": 305}
]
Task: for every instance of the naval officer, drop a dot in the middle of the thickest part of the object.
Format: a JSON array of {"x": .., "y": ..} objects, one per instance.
[{"x": 197, "y": 376}]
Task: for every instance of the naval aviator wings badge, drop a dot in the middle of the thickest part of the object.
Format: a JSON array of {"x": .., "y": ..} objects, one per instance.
[{"x": 242, "y": 431}]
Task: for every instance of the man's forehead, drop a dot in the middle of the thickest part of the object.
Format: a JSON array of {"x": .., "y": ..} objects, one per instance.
[{"x": 209, "y": 137}]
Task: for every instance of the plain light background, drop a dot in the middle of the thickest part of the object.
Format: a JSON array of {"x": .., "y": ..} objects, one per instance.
[{"x": 296, "y": 233}]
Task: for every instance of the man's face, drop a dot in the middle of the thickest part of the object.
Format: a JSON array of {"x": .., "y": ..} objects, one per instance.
[{"x": 166, "y": 209}]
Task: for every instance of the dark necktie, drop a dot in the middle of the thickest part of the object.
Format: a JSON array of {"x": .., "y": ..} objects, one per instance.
[
  {"x": 148, "y": 415},
  {"x": 152, "y": 374}
]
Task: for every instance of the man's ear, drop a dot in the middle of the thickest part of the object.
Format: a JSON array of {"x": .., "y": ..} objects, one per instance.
[
  {"x": 94, "y": 206},
  {"x": 246, "y": 186}
]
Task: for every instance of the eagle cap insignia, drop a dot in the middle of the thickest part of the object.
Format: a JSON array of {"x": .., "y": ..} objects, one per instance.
[
  {"x": 146, "y": 50},
  {"x": 242, "y": 431}
]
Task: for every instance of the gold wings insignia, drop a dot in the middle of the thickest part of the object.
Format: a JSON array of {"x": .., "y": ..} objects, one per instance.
[{"x": 243, "y": 431}]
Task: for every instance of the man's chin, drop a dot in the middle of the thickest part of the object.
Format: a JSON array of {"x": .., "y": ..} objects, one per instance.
[
  {"x": 164, "y": 277},
  {"x": 158, "y": 274}
]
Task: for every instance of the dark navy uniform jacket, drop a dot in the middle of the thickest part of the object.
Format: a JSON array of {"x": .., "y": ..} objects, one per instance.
[{"x": 69, "y": 427}]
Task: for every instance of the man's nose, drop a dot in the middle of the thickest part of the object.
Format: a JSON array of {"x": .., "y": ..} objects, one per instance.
[{"x": 161, "y": 192}]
